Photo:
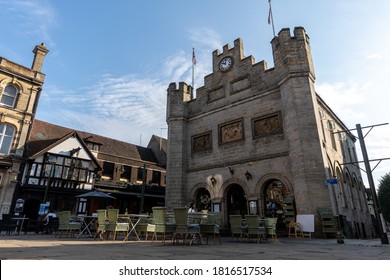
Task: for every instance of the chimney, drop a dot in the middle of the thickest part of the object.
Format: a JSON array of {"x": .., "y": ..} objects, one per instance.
[{"x": 40, "y": 51}]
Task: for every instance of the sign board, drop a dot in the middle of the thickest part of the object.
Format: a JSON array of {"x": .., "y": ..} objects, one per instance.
[
  {"x": 307, "y": 223},
  {"x": 332, "y": 181},
  {"x": 43, "y": 208},
  {"x": 19, "y": 205}
]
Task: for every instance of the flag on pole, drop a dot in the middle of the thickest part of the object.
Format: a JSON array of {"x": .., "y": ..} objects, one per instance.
[
  {"x": 269, "y": 14},
  {"x": 193, "y": 56},
  {"x": 271, "y": 17}
]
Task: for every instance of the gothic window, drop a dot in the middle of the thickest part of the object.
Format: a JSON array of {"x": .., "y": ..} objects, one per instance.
[
  {"x": 6, "y": 137},
  {"x": 9, "y": 96}
]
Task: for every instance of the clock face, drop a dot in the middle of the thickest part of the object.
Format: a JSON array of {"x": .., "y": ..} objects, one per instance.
[{"x": 226, "y": 63}]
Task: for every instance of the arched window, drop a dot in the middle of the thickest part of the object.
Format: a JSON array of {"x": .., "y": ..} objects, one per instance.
[
  {"x": 9, "y": 96},
  {"x": 6, "y": 137}
]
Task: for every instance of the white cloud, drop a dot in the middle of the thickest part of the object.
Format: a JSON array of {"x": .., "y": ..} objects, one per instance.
[
  {"x": 344, "y": 98},
  {"x": 375, "y": 56},
  {"x": 34, "y": 18},
  {"x": 126, "y": 107}
]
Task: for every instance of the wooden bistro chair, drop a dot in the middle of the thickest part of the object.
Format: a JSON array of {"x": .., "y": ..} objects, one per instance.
[{"x": 295, "y": 230}]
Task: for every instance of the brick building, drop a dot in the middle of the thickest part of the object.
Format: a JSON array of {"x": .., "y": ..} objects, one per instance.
[{"x": 260, "y": 140}]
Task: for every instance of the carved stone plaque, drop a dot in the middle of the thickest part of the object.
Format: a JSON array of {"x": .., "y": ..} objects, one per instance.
[
  {"x": 267, "y": 125},
  {"x": 231, "y": 132},
  {"x": 201, "y": 142}
]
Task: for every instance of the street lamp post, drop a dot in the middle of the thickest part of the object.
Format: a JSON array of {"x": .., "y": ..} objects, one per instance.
[
  {"x": 382, "y": 233},
  {"x": 141, "y": 210}
]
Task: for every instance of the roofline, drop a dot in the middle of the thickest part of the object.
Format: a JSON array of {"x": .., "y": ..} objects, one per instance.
[{"x": 62, "y": 139}]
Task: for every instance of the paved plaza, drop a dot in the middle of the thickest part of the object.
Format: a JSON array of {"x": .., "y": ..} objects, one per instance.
[{"x": 48, "y": 247}]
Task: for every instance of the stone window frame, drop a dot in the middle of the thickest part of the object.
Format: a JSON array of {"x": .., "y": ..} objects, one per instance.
[
  {"x": 5, "y": 94},
  {"x": 5, "y": 134}
]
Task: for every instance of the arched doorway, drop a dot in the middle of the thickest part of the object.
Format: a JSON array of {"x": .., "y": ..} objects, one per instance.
[
  {"x": 236, "y": 201},
  {"x": 278, "y": 202},
  {"x": 203, "y": 201}
]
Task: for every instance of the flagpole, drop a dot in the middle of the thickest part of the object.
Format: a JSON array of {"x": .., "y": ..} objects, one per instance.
[
  {"x": 271, "y": 17},
  {"x": 193, "y": 67},
  {"x": 193, "y": 70}
]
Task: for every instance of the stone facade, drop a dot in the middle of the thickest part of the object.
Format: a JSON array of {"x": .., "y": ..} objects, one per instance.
[
  {"x": 254, "y": 136},
  {"x": 17, "y": 113}
]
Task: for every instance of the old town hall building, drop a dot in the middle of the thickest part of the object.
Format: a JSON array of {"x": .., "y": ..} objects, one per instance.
[
  {"x": 253, "y": 140},
  {"x": 259, "y": 140}
]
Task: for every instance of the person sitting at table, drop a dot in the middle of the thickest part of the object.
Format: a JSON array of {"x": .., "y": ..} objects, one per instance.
[{"x": 192, "y": 208}]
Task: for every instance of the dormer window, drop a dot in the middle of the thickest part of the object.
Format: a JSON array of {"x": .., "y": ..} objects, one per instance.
[{"x": 9, "y": 96}]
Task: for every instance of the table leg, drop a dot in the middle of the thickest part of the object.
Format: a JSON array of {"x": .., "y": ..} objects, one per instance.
[{"x": 133, "y": 225}]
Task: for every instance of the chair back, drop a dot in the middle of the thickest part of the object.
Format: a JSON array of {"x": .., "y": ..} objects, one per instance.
[
  {"x": 160, "y": 217},
  {"x": 235, "y": 223},
  {"x": 101, "y": 215},
  {"x": 63, "y": 219},
  {"x": 252, "y": 221},
  {"x": 181, "y": 219},
  {"x": 112, "y": 215},
  {"x": 270, "y": 224},
  {"x": 214, "y": 218}
]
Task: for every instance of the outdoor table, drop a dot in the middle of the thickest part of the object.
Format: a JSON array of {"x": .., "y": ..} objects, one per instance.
[
  {"x": 133, "y": 219},
  {"x": 86, "y": 222},
  {"x": 197, "y": 218}
]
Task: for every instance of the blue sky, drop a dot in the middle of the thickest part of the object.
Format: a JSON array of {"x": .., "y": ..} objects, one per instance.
[{"x": 110, "y": 63}]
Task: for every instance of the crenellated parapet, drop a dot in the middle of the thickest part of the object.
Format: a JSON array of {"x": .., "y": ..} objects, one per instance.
[
  {"x": 235, "y": 76},
  {"x": 177, "y": 98},
  {"x": 292, "y": 54}
]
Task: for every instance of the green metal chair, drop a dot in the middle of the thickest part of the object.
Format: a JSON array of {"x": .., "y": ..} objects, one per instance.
[
  {"x": 270, "y": 225},
  {"x": 254, "y": 228},
  {"x": 236, "y": 226},
  {"x": 185, "y": 229},
  {"x": 160, "y": 225},
  {"x": 211, "y": 226},
  {"x": 116, "y": 224},
  {"x": 65, "y": 223},
  {"x": 102, "y": 223},
  {"x": 142, "y": 226}
]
